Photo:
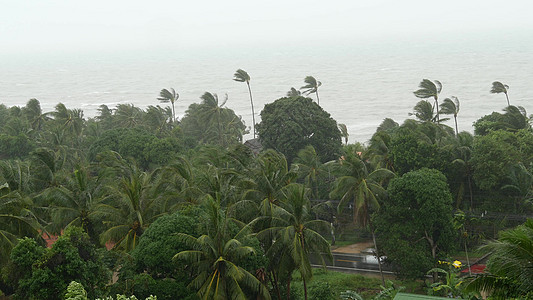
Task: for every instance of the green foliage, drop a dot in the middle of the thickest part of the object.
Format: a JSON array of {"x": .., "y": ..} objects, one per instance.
[
  {"x": 15, "y": 146},
  {"x": 145, "y": 286},
  {"x": 137, "y": 143},
  {"x": 218, "y": 255},
  {"x": 210, "y": 122},
  {"x": 495, "y": 153},
  {"x": 160, "y": 242},
  {"x": 509, "y": 265},
  {"x": 72, "y": 257},
  {"x": 415, "y": 224},
  {"x": 514, "y": 118},
  {"x": 320, "y": 291},
  {"x": 409, "y": 152},
  {"x": 75, "y": 291},
  {"x": 290, "y": 124},
  {"x": 389, "y": 291}
]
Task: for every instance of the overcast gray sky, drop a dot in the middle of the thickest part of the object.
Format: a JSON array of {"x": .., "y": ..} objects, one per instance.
[{"x": 95, "y": 25}]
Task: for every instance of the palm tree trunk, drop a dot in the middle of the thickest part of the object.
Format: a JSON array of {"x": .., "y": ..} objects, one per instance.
[
  {"x": 305, "y": 288},
  {"x": 437, "y": 106},
  {"x": 317, "y": 98},
  {"x": 456, "y": 129},
  {"x": 252, "y": 103},
  {"x": 274, "y": 281},
  {"x": 289, "y": 286},
  {"x": 468, "y": 260},
  {"x": 506, "y": 96},
  {"x": 173, "y": 113},
  {"x": 470, "y": 190},
  {"x": 377, "y": 253}
]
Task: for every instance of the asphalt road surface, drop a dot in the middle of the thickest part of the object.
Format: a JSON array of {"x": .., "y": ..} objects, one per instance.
[{"x": 351, "y": 263}]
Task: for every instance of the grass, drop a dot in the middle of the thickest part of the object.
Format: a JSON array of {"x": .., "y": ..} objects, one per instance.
[{"x": 367, "y": 287}]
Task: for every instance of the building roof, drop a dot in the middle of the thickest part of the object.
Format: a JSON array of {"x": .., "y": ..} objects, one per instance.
[
  {"x": 406, "y": 296},
  {"x": 254, "y": 145}
]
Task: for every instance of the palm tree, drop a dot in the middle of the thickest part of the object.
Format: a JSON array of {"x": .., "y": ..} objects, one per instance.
[
  {"x": 158, "y": 119},
  {"x": 296, "y": 234},
  {"x": 450, "y": 107},
  {"x": 132, "y": 204},
  {"x": 76, "y": 202},
  {"x": 216, "y": 257},
  {"x": 241, "y": 76},
  {"x": 356, "y": 184},
  {"x": 308, "y": 166},
  {"x": 463, "y": 164},
  {"x": 311, "y": 87},
  {"x": 519, "y": 183},
  {"x": 171, "y": 96},
  {"x": 423, "y": 111},
  {"x": 35, "y": 115},
  {"x": 18, "y": 216},
  {"x": 430, "y": 89},
  {"x": 344, "y": 132},
  {"x": 509, "y": 265},
  {"x": 498, "y": 87},
  {"x": 127, "y": 115},
  {"x": 293, "y": 93}
]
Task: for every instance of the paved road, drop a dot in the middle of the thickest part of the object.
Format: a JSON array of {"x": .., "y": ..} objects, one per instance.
[{"x": 351, "y": 263}]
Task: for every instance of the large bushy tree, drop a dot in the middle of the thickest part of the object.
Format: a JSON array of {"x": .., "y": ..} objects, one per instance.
[
  {"x": 415, "y": 225},
  {"x": 290, "y": 124}
]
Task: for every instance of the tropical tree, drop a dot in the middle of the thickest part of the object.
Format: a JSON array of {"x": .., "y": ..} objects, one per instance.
[
  {"x": 423, "y": 111},
  {"x": 17, "y": 219},
  {"x": 309, "y": 167},
  {"x": 519, "y": 183},
  {"x": 171, "y": 96},
  {"x": 311, "y": 87},
  {"x": 463, "y": 165},
  {"x": 430, "y": 89},
  {"x": 217, "y": 257},
  {"x": 241, "y": 76},
  {"x": 127, "y": 115},
  {"x": 132, "y": 205},
  {"x": 344, "y": 132},
  {"x": 498, "y": 87},
  {"x": 34, "y": 114},
  {"x": 294, "y": 93},
  {"x": 290, "y": 124},
  {"x": 296, "y": 235},
  {"x": 451, "y": 107},
  {"x": 509, "y": 272},
  {"x": 77, "y": 202},
  {"x": 416, "y": 222},
  {"x": 158, "y": 119},
  {"x": 210, "y": 122},
  {"x": 363, "y": 187}
]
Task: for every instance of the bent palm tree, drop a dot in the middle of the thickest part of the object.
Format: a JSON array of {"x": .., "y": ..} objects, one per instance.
[
  {"x": 430, "y": 89},
  {"x": 169, "y": 96},
  {"x": 311, "y": 87},
  {"x": 423, "y": 111},
  {"x": 296, "y": 234},
  {"x": 217, "y": 256},
  {"x": 293, "y": 93},
  {"x": 362, "y": 187},
  {"x": 510, "y": 263},
  {"x": 498, "y": 87},
  {"x": 344, "y": 132},
  {"x": 450, "y": 107},
  {"x": 241, "y": 76}
]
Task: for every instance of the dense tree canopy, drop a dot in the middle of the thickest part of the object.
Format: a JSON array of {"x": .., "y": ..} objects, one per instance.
[
  {"x": 290, "y": 124},
  {"x": 415, "y": 223}
]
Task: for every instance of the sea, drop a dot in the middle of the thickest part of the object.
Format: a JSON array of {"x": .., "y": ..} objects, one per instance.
[{"x": 363, "y": 81}]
